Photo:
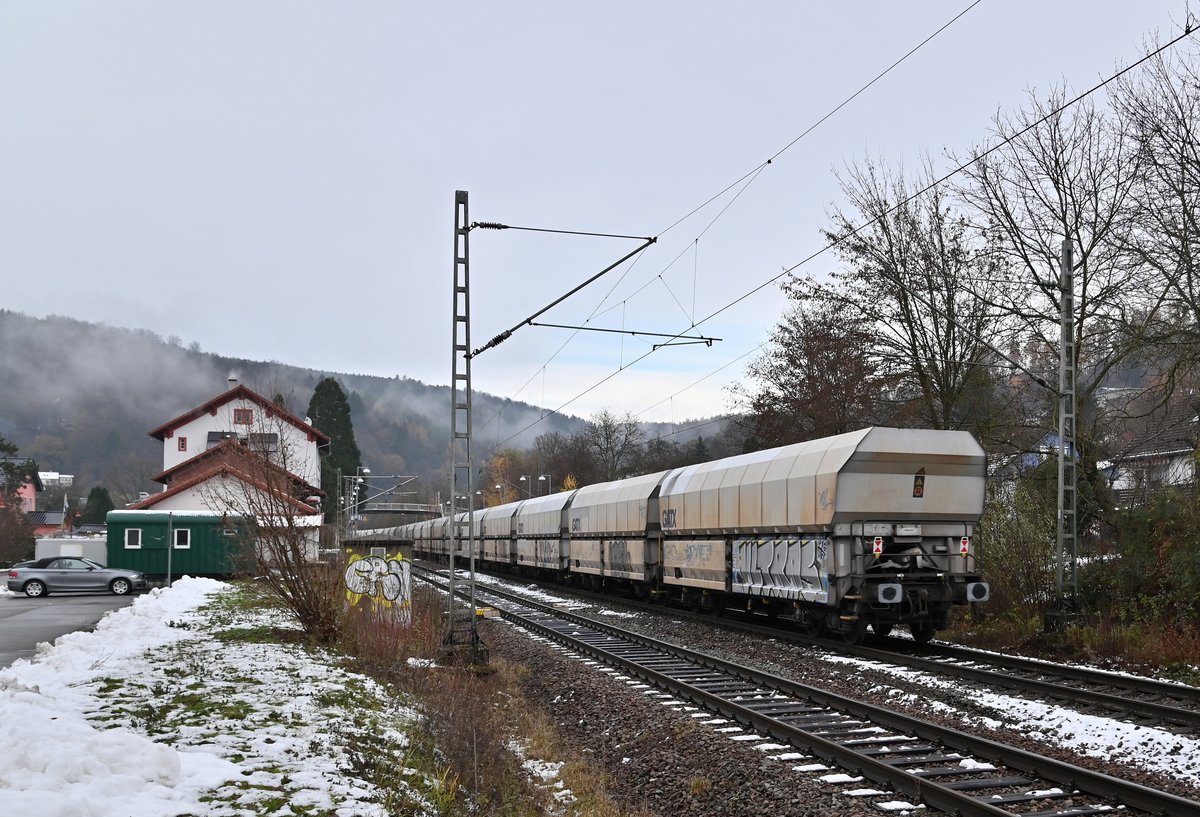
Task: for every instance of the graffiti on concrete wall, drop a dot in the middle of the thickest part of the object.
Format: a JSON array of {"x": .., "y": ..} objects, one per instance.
[{"x": 383, "y": 582}]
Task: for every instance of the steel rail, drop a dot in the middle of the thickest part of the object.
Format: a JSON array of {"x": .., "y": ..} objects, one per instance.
[
  {"x": 1117, "y": 702},
  {"x": 1131, "y": 795},
  {"x": 1148, "y": 686}
]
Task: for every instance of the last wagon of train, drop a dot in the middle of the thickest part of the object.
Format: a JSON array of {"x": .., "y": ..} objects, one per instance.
[{"x": 871, "y": 528}]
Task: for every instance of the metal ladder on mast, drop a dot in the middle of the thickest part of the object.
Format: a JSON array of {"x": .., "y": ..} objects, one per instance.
[
  {"x": 1065, "y": 608},
  {"x": 462, "y": 634}
]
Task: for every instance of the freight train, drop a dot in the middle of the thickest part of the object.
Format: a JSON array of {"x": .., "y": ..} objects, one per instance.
[{"x": 871, "y": 528}]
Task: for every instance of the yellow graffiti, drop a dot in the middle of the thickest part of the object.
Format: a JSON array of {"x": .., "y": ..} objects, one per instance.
[{"x": 385, "y": 582}]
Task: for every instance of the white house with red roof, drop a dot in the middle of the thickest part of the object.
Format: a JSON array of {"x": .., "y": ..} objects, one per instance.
[
  {"x": 255, "y": 422},
  {"x": 240, "y": 452}
]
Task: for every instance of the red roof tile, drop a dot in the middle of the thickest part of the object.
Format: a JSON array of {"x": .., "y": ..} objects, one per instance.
[{"x": 237, "y": 392}]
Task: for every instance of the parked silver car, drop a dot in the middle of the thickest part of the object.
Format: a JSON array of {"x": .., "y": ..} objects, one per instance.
[{"x": 58, "y": 574}]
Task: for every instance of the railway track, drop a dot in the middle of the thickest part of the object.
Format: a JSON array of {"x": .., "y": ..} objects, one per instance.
[
  {"x": 1144, "y": 701},
  {"x": 944, "y": 768}
]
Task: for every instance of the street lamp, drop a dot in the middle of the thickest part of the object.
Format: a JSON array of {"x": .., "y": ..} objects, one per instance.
[
  {"x": 528, "y": 480},
  {"x": 353, "y": 494},
  {"x": 516, "y": 488},
  {"x": 549, "y": 480}
]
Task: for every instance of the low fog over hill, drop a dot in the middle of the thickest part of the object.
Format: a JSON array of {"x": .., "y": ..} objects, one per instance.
[{"x": 80, "y": 398}]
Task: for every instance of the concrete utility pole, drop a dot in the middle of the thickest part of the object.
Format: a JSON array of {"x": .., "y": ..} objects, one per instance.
[
  {"x": 1065, "y": 606},
  {"x": 463, "y": 632}
]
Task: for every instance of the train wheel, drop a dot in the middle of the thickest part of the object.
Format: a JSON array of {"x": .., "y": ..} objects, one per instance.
[
  {"x": 881, "y": 630},
  {"x": 853, "y": 632},
  {"x": 811, "y": 623},
  {"x": 717, "y": 608},
  {"x": 922, "y": 634}
]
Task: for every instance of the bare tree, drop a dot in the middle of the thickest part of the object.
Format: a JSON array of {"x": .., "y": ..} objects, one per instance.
[
  {"x": 1160, "y": 108},
  {"x": 913, "y": 282},
  {"x": 258, "y": 480},
  {"x": 614, "y": 443},
  {"x": 1066, "y": 172},
  {"x": 815, "y": 378}
]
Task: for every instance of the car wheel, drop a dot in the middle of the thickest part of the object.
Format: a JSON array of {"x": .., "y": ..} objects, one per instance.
[
  {"x": 34, "y": 588},
  {"x": 120, "y": 586}
]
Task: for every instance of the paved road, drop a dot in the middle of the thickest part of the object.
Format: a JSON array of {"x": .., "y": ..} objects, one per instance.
[{"x": 25, "y": 621}]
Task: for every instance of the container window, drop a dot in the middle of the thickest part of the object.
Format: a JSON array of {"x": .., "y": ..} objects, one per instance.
[
  {"x": 183, "y": 538},
  {"x": 133, "y": 538}
]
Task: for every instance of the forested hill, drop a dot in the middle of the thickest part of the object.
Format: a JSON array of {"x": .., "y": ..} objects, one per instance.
[{"x": 80, "y": 398}]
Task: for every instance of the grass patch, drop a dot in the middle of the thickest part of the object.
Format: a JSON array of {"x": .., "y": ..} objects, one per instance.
[
  {"x": 261, "y": 634},
  {"x": 110, "y": 685},
  {"x": 1158, "y": 648}
]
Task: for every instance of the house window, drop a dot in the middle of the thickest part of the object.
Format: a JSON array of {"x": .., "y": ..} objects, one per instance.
[
  {"x": 133, "y": 538},
  {"x": 183, "y": 443},
  {"x": 243, "y": 416},
  {"x": 264, "y": 443},
  {"x": 183, "y": 538}
]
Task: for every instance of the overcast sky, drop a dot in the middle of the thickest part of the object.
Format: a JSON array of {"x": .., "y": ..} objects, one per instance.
[{"x": 275, "y": 180}]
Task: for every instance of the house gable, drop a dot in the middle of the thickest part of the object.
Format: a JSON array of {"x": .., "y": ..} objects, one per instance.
[
  {"x": 232, "y": 453},
  {"x": 249, "y": 417},
  {"x": 208, "y": 489},
  {"x": 1164, "y": 456},
  {"x": 213, "y": 407}
]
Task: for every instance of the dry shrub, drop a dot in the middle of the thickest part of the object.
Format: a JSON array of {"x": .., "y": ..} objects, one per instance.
[
  {"x": 473, "y": 716},
  {"x": 375, "y": 637},
  {"x": 466, "y": 714},
  {"x": 1171, "y": 651}
]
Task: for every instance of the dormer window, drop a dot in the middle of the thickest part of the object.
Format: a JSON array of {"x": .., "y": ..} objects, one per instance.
[
  {"x": 243, "y": 416},
  {"x": 215, "y": 438},
  {"x": 263, "y": 443}
]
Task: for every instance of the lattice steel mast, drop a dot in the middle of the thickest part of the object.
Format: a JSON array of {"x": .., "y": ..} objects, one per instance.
[
  {"x": 463, "y": 632},
  {"x": 1068, "y": 585}
]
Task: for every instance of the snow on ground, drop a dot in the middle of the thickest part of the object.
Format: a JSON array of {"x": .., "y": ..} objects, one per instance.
[
  {"x": 1157, "y": 750},
  {"x": 535, "y": 593},
  {"x": 152, "y": 715}
]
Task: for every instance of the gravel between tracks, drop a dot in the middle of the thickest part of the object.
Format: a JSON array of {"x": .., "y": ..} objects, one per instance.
[{"x": 660, "y": 759}]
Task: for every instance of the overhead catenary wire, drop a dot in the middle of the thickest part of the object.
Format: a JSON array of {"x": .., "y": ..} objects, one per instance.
[
  {"x": 506, "y": 334},
  {"x": 761, "y": 166},
  {"x": 632, "y": 332},
  {"x": 495, "y": 225},
  {"x": 745, "y": 181},
  {"x": 1187, "y": 31}
]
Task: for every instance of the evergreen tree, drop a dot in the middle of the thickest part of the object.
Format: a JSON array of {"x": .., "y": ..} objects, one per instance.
[
  {"x": 96, "y": 509},
  {"x": 329, "y": 412},
  {"x": 16, "y": 531}
]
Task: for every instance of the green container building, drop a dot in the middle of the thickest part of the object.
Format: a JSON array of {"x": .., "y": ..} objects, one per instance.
[{"x": 205, "y": 543}]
